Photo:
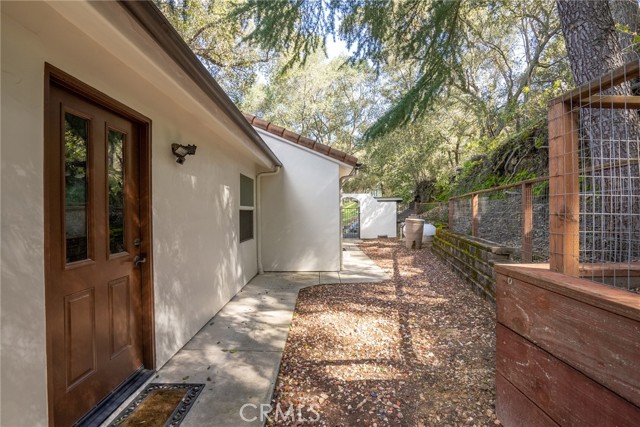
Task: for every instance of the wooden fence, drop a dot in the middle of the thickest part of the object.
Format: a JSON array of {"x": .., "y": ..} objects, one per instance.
[
  {"x": 526, "y": 212},
  {"x": 568, "y": 349}
]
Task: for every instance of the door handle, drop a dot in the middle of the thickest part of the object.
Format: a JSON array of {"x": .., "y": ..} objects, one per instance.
[{"x": 139, "y": 260}]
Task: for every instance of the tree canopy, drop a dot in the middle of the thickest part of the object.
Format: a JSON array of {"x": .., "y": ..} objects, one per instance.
[
  {"x": 217, "y": 41},
  {"x": 327, "y": 100},
  {"x": 428, "y": 86},
  {"x": 451, "y": 43}
]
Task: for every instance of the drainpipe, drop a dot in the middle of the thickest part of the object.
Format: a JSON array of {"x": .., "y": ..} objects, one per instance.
[
  {"x": 275, "y": 171},
  {"x": 342, "y": 181}
]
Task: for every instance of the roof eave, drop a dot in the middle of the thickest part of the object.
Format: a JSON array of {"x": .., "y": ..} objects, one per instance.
[
  {"x": 295, "y": 138},
  {"x": 160, "y": 29}
]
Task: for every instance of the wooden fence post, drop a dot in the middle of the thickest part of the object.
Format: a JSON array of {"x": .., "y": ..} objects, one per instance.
[
  {"x": 564, "y": 197},
  {"x": 527, "y": 222},
  {"x": 474, "y": 215}
]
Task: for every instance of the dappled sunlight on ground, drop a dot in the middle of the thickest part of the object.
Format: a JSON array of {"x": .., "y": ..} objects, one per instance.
[
  {"x": 347, "y": 334},
  {"x": 416, "y": 350},
  {"x": 365, "y": 371}
]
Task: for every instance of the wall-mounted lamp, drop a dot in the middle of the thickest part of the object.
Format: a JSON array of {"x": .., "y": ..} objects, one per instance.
[{"x": 181, "y": 151}]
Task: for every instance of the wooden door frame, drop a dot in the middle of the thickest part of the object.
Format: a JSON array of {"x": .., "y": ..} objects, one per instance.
[{"x": 53, "y": 75}]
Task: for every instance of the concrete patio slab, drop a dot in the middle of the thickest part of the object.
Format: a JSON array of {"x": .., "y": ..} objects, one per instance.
[
  {"x": 286, "y": 280},
  {"x": 362, "y": 277},
  {"x": 249, "y": 336},
  {"x": 237, "y": 353},
  {"x": 264, "y": 314},
  {"x": 232, "y": 379},
  {"x": 329, "y": 277},
  {"x": 357, "y": 267}
]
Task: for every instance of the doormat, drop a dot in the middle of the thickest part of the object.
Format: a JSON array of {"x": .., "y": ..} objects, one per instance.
[{"x": 159, "y": 405}]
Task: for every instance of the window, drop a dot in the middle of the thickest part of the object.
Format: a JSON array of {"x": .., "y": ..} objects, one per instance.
[
  {"x": 76, "y": 187},
  {"x": 246, "y": 208}
]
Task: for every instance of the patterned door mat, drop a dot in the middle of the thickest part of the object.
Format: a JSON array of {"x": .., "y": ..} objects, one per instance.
[{"x": 159, "y": 405}]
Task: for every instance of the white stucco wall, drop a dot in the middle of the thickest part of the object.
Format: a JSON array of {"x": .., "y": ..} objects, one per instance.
[
  {"x": 300, "y": 210},
  {"x": 199, "y": 263},
  {"x": 377, "y": 218}
]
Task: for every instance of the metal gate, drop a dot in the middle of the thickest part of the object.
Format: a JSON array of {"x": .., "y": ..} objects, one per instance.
[{"x": 351, "y": 223}]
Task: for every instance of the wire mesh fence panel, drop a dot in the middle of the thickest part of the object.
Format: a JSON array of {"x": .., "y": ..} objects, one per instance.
[
  {"x": 540, "y": 226},
  {"x": 513, "y": 216},
  {"x": 460, "y": 218},
  {"x": 499, "y": 217},
  {"x": 435, "y": 213},
  {"x": 595, "y": 140}
]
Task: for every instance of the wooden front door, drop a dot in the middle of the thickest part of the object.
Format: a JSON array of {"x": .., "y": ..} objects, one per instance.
[{"x": 93, "y": 290}]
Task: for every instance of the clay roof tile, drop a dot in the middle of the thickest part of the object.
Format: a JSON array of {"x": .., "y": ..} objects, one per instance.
[
  {"x": 337, "y": 154},
  {"x": 275, "y": 129},
  {"x": 260, "y": 123},
  {"x": 291, "y": 136},
  {"x": 321, "y": 148},
  {"x": 349, "y": 159},
  {"x": 306, "y": 142},
  {"x": 301, "y": 140}
]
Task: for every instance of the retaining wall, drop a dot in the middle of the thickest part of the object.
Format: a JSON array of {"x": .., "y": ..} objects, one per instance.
[
  {"x": 472, "y": 258},
  {"x": 567, "y": 350}
]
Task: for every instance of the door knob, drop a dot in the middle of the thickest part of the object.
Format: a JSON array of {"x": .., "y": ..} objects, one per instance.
[{"x": 139, "y": 260}]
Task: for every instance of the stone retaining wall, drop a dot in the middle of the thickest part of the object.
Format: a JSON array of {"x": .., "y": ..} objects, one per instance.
[{"x": 472, "y": 258}]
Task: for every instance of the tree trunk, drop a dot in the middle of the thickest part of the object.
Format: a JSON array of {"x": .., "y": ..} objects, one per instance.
[
  {"x": 591, "y": 39},
  {"x": 609, "y": 231},
  {"x": 626, "y": 13}
]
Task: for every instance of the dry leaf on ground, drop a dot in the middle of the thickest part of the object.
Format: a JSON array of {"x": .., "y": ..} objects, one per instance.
[{"x": 416, "y": 350}]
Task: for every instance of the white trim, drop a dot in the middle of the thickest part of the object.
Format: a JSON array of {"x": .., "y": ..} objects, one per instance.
[
  {"x": 317, "y": 153},
  {"x": 258, "y": 233}
]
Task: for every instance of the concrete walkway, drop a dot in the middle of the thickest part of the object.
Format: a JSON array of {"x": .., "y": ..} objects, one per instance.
[{"x": 237, "y": 354}]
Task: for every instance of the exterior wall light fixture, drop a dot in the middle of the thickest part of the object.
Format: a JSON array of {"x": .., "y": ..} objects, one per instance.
[{"x": 181, "y": 151}]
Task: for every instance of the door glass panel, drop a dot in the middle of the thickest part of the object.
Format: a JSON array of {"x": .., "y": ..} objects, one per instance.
[
  {"x": 76, "y": 139},
  {"x": 116, "y": 191}
]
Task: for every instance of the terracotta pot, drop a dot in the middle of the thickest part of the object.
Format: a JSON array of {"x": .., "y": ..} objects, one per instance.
[{"x": 413, "y": 233}]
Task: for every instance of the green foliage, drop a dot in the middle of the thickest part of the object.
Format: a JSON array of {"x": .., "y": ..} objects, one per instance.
[
  {"x": 400, "y": 160},
  {"x": 216, "y": 39},
  {"x": 438, "y": 97},
  {"x": 435, "y": 42},
  {"x": 540, "y": 189},
  {"x": 513, "y": 160},
  {"x": 350, "y": 205},
  {"x": 422, "y": 32},
  {"x": 75, "y": 155},
  {"x": 347, "y": 212},
  {"x": 328, "y": 100},
  {"x": 493, "y": 52},
  {"x": 296, "y": 28}
]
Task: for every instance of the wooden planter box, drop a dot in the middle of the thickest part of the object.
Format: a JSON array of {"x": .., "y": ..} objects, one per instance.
[{"x": 568, "y": 350}]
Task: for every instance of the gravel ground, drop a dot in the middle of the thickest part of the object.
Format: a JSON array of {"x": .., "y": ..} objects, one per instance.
[{"x": 417, "y": 350}]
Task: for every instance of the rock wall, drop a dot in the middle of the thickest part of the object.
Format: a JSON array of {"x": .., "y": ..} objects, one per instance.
[
  {"x": 472, "y": 258},
  {"x": 500, "y": 222}
]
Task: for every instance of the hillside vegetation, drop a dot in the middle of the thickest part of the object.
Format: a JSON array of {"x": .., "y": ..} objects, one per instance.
[{"x": 524, "y": 156}]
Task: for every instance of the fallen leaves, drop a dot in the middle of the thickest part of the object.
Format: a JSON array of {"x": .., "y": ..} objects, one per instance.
[{"x": 416, "y": 350}]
